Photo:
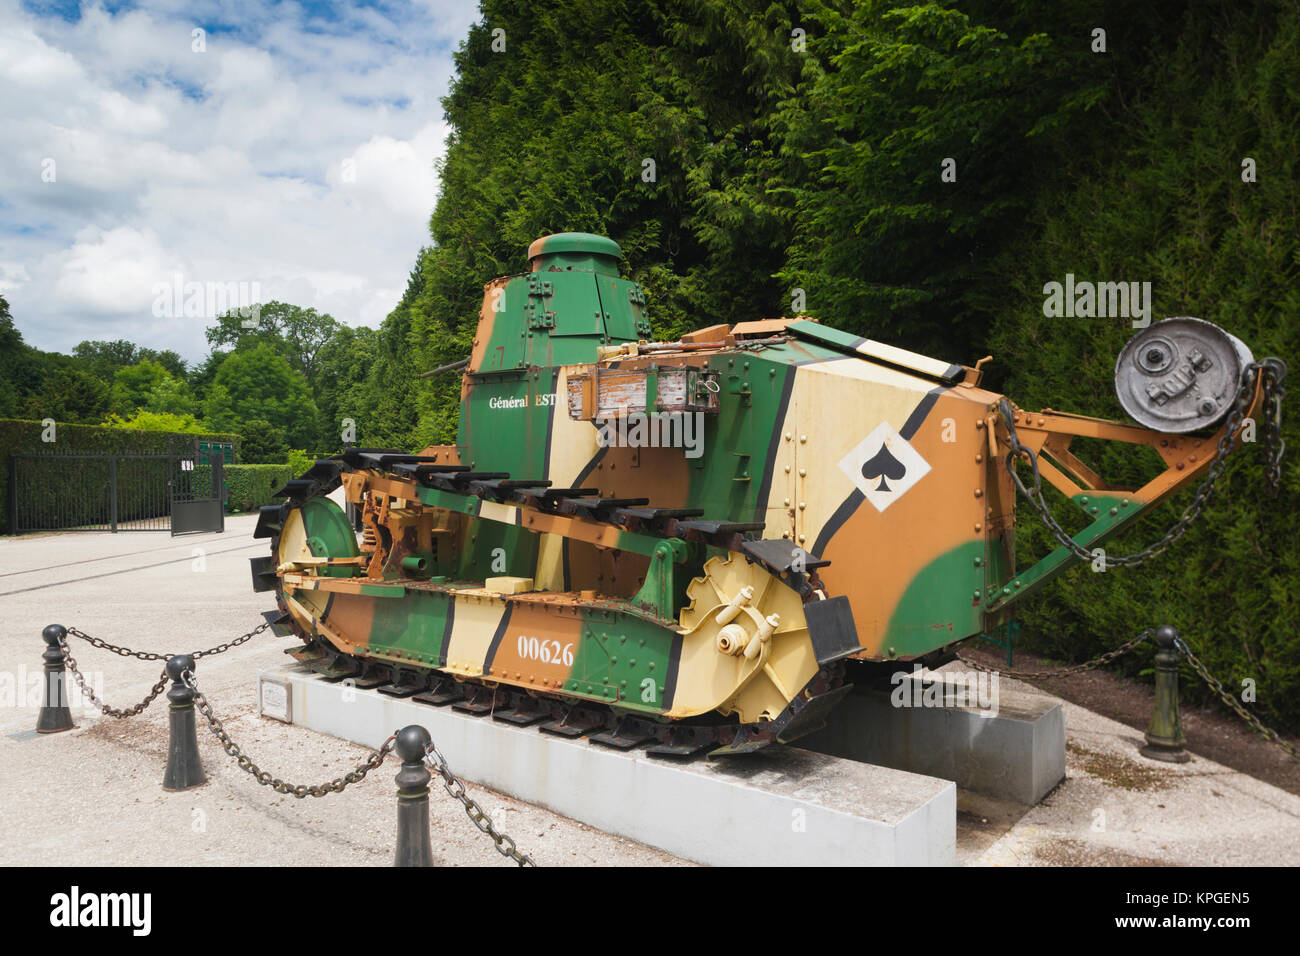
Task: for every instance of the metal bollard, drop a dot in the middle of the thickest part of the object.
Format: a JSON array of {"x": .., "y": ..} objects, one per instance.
[
  {"x": 414, "y": 847},
  {"x": 55, "y": 714},
  {"x": 1165, "y": 738},
  {"x": 183, "y": 768}
]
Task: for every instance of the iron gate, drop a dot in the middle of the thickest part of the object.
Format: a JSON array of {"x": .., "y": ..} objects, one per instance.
[
  {"x": 198, "y": 499},
  {"x": 104, "y": 491}
]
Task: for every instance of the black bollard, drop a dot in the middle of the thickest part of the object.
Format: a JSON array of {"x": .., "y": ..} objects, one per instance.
[
  {"x": 55, "y": 714},
  {"x": 413, "y": 844},
  {"x": 1165, "y": 738},
  {"x": 183, "y": 768}
]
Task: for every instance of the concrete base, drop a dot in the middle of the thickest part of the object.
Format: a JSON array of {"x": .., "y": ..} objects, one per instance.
[
  {"x": 1013, "y": 751},
  {"x": 780, "y": 807}
]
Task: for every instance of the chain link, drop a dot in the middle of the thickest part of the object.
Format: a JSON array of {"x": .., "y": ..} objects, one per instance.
[
  {"x": 1272, "y": 372},
  {"x": 1195, "y": 662},
  {"x": 150, "y": 656},
  {"x": 264, "y": 777},
  {"x": 1213, "y": 682},
  {"x": 1061, "y": 671},
  {"x": 436, "y": 762},
  {"x": 71, "y": 663}
]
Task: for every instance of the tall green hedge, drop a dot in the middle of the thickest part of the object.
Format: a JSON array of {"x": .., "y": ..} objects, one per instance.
[
  {"x": 249, "y": 486},
  {"x": 80, "y": 487}
]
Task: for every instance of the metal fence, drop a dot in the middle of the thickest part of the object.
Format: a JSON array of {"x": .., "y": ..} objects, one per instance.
[{"x": 114, "y": 492}]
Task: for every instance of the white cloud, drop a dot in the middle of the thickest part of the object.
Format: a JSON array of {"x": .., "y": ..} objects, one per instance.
[
  {"x": 227, "y": 165},
  {"x": 106, "y": 272}
]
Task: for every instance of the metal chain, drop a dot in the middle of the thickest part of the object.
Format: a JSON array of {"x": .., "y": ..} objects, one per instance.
[
  {"x": 436, "y": 762},
  {"x": 1211, "y": 681},
  {"x": 150, "y": 656},
  {"x": 1274, "y": 443},
  {"x": 1061, "y": 671},
  {"x": 264, "y": 777},
  {"x": 1272, "y": 371},
  {"x": 1267, "y": 732},
  {"x": 71, "y": 663}
]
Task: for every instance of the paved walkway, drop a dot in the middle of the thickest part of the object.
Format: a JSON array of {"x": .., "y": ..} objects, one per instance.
[{"x": 93, "y": 796}]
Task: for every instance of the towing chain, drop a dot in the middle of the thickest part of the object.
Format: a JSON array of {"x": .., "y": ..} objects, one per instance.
[
  {"x": 1061, "y": 671},
  {"x": 1272, "y": 370},
  {"x": 71, "y": 663},
  {"x": 150, "y": 656},
  {"x": 436, "y": 762},
  {"x": 264, "y": 777}
]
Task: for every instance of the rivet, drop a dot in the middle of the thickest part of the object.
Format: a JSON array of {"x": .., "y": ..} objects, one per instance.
[
  {"x": 787, "y": 501},
  {"x": 1083, "y": 500},
  {"x": 979, "y": 492},
  {"x": 802, "y": 505},
  {"x": 979, "y": 459},
  {"x": 979, "y": 424},
  {"x": 803, "y": 438},
  {"x": 802, "y": 472},
  {"x": 979, "y": 562},
  {"x": 1114, "y": 511},
  {"x": 979, "y": 527},
  {"x": 801, "y": 539}
]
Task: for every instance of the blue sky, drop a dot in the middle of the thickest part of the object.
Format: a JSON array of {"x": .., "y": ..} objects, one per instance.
[{"x": 289, "y": 147}]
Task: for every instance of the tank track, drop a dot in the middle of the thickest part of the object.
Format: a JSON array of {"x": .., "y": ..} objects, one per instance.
[
  {"x": 571, "y": 718},
  {"x": 555, "y": 714},
  {"x": 629, "y": 514}
]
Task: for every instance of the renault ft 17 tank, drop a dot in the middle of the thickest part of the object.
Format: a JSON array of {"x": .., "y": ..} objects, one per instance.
[{"x": 686, "y": 544}]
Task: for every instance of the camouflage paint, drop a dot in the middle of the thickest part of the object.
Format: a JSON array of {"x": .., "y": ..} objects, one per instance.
[{"x": 805, "y": 417}]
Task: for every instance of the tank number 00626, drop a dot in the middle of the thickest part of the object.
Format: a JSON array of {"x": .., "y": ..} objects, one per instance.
[{"x": 546, "y": 651}]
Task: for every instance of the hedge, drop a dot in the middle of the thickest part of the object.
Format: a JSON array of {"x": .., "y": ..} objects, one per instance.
[
  {"x": 248, "y": 487},
  {"x": 80, "y": 489}
]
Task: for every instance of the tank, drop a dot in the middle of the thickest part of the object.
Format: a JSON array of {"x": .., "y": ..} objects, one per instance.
[{"x": 694, "y": 545}]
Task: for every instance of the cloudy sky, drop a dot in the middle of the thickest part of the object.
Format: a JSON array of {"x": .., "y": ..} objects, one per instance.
[{"x": 290, "y": 145}]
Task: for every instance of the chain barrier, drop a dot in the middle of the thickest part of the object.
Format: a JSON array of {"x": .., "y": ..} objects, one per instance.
[
  {"x": 264, "y": 777},
  {"x": 436, "y": 762},
  {"x": 1061, "y": 671},
  {"x": 1193, "y": 661},
  {"x": 150, "y": 656},
  {"x": 1268, "y": 733},
  {"x": 1271, "y": 370},
  {"x": 71, "y": 663}
]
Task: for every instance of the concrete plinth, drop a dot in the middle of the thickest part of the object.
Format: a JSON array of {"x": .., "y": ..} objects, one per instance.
[
  {"x": 780, "y": 807},
  {"x": 1013, "y": 751}
]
